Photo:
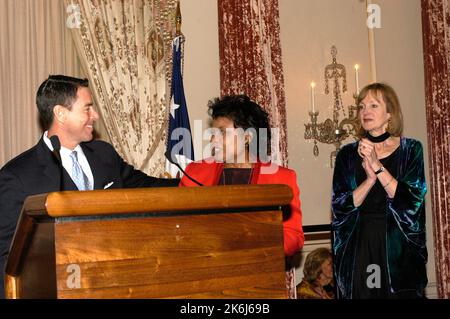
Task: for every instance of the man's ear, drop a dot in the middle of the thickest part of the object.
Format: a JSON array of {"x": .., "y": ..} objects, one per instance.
[{"x": 59, "y": 113}]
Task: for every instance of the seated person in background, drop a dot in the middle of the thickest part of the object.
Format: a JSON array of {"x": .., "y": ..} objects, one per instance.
[
  {"x": 317, "y": 282},
  {"x": 66, "y": 109},
  {"x": 241, "y": 134}
]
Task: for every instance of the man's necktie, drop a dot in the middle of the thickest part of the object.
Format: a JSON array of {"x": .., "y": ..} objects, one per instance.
[{"x": 78, "y": 175}]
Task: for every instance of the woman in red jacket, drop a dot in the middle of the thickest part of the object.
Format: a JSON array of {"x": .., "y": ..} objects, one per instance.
[{"x": 240, "y": 140}]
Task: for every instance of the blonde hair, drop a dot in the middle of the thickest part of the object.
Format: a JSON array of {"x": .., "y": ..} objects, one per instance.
[
  {"x": 313, "y": 263},
  {"x": 395, "y": 126}
]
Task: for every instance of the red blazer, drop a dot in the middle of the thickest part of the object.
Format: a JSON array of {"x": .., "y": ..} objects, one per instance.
[{"x": 208, "y": 173}]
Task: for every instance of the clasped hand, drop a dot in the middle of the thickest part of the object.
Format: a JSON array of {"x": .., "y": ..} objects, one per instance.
[{"x": 371, "y": 164}]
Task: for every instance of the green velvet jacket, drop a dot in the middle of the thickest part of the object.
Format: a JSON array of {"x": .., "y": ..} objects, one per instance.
[{"x": 405, "y": 225}]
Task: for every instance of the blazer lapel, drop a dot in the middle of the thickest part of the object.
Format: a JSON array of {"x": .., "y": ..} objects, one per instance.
[
  {"x": 98, "y": 169},
  {"x": 217, "y": 173},
  {"x": 52, "y": 170},
  {"x": 255, "y": 173}
]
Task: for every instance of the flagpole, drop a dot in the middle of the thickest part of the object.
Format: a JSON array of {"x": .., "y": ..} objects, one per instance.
[{"x": 178, "y": 113}]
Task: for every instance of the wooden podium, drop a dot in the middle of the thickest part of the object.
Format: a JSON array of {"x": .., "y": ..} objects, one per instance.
[{"x": 197, "y": 242}]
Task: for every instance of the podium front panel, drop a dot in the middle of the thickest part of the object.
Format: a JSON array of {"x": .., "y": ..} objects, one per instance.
[{"x": 217, "y": 255}]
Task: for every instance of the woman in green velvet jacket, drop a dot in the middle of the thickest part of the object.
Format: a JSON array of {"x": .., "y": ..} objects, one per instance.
[{"x": 378, "y": 205}]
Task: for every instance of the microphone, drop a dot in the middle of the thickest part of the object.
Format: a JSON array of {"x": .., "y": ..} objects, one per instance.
[
  {"x": 54, "y": 139},
  {"x": 169, "y": 157}
]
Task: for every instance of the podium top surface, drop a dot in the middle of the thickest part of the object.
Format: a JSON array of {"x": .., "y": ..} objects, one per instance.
[{"x": 151, "y": 200}]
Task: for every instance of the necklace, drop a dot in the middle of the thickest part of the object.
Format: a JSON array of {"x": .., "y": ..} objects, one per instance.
[{"x": 378, "y": 139}]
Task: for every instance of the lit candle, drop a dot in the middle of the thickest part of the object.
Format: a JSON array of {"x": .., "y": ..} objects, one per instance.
[
  {"x": 313, "y": 85},
  {"x": 356, "y": 78}
]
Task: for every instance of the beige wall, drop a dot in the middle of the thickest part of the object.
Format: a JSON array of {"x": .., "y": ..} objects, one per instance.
[
  {"x": 308, "y": 29},
  {"x": 306, "y": 40},
  {"x": 201, "y": 62}
]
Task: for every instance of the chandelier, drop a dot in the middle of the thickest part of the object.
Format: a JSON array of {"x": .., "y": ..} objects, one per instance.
[{"x": 333, "y": 131}]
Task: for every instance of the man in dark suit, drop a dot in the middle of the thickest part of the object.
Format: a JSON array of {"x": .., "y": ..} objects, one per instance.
[{"x": 66, "y": 108}]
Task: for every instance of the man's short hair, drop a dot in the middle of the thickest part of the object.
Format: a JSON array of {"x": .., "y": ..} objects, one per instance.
[{"x": 57, "y": 90}]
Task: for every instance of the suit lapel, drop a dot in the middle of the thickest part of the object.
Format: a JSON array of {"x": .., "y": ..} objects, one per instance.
[
  {"x": 97, "y": 167},
  {"x": 51, "y": 169}
]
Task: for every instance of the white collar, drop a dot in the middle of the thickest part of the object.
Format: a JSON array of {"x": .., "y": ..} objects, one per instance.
[{"x": 65, "y": 150}]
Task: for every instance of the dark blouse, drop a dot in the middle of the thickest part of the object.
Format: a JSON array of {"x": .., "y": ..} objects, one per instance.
[
  {"x": 235, "y": 176},
  {"x": 371, "y": 243},
  {"x": 375, "y": 202}
]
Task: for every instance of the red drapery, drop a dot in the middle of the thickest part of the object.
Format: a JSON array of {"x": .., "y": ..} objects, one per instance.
[
  {"x": 250, "y": 63},
  {"x": 436, "y": 39},
  {"x": 250, "y": 59}
]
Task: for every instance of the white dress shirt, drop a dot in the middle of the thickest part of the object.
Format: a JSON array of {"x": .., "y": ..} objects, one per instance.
[{"x": 67, "y": 161}]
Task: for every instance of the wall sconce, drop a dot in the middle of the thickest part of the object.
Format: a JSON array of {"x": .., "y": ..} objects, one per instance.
[{"x": 333, "y": 131}]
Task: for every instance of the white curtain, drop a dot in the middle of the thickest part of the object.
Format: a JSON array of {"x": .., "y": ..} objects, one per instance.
[{"x": 34, "y": 42}]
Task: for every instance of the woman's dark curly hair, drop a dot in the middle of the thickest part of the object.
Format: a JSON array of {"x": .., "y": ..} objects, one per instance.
[{"x": 245, "y": 114}]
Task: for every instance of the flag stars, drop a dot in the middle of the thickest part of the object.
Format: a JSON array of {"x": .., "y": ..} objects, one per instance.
[{"x": 173, "y": 108}]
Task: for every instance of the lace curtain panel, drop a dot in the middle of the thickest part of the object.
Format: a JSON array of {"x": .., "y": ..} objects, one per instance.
[
  {"x": 250, "y": 60},
  {"x": 125, "y": 48}
]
